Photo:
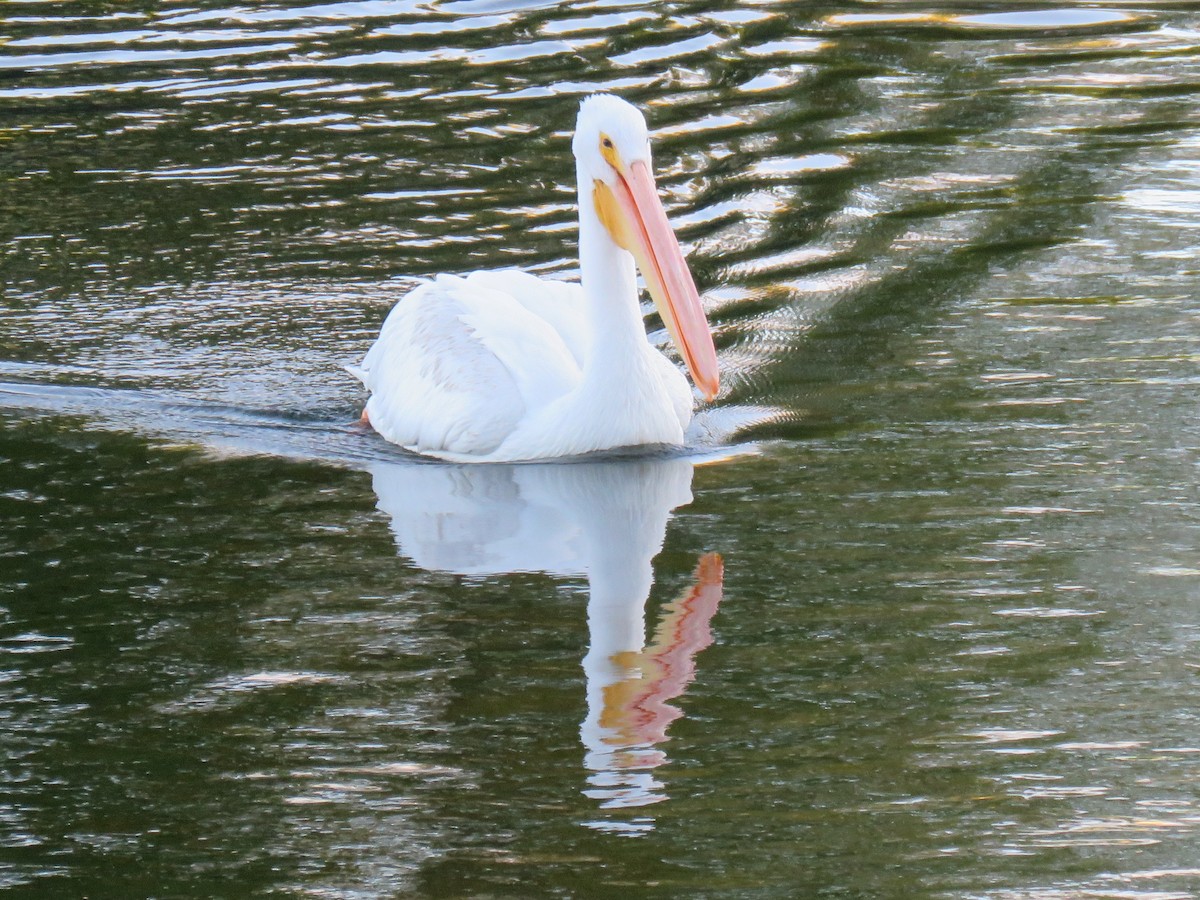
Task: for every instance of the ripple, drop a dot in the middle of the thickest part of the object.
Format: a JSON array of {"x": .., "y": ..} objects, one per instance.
[
  {"x": 777, "y": 79},
  {"x": 1023, "y": 20},
  {"x": 34, "y": 643},
  {"x": 449, "y": 25},
  {"x": 1046, "y": 612},
  {"x": 363, "y": 9},
  {"x": 1172, "y": 571},
  {"x": 1157, "y": 200},
  {"x": 1048, "y": 18},
  {"x": 130, "y": 57},
  {"x": 781, "y": 49},
  {"x": 674, "y": 52},
  {"x": 600, "y": 22},
  {"x": 228, "y": 691},
  {"x": 222, "y": 36},
  {"x": 1010, "y": 735},
  {"x": 788, "y": 167}
]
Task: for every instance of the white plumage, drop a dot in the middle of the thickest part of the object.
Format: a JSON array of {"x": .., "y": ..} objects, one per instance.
[{"x": 504, "y": 366}]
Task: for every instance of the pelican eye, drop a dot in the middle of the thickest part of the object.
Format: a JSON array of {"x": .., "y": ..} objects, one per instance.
[{"x": 609, "y": 151}]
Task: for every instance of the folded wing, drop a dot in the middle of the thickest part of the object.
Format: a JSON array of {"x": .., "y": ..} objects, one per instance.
[{"x": 460, "y": 362}]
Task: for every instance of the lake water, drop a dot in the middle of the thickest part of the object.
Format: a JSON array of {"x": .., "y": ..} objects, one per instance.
[{"x": 919, "y": 616}]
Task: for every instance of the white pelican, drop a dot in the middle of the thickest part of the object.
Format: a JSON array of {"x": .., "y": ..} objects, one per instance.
[{"x": 503, "y": 366}]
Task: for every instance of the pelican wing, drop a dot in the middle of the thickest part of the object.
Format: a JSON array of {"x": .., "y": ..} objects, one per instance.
[
  {"x": 557, "y": 303},
  {"x": 460, "y": 362}
]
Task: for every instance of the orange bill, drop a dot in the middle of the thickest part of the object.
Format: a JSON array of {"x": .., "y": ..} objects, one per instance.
[{"x": 638, "y": 223}]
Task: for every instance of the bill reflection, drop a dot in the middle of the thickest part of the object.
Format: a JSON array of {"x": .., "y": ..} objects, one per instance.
[
  {"x": 606, "y": 521},
  {"x": 629, "y": 686}
]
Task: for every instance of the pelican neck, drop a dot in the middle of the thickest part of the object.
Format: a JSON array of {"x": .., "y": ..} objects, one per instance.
[{"x": 609, "y": 280}]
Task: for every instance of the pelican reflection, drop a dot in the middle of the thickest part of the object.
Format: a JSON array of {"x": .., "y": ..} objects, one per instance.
[{"x": 604, "y": 520}]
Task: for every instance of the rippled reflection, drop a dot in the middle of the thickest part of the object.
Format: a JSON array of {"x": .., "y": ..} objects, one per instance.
[
  {"x": 604, "y": 520},
  {"x": 630, "y": 685}
]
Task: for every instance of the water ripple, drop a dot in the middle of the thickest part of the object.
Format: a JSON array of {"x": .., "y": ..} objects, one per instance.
[{"x": 949, "y": 257}]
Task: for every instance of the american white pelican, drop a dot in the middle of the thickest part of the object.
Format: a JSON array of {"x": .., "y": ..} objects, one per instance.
[{"x": 503, "y": 366}]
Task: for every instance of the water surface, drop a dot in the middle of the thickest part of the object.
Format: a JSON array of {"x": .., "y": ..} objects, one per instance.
[{"x": 918, "y": 620}]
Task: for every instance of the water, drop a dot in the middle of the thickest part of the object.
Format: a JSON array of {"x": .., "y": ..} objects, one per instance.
[{"x": 918, "y": 620}]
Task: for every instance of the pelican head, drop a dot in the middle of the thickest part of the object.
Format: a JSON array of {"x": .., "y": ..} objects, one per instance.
[{"x": 612, "y": 148}]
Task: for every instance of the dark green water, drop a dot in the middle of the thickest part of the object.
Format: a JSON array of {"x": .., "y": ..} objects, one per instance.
[{"x": 950, "y": 256}]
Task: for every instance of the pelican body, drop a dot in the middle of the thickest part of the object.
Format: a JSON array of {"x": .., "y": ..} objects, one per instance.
[{"x": 503, "y": 366}]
